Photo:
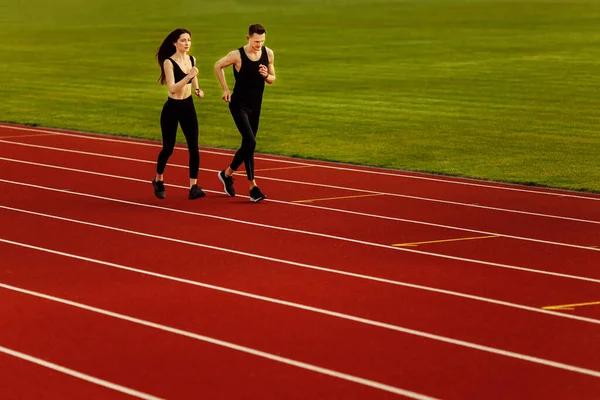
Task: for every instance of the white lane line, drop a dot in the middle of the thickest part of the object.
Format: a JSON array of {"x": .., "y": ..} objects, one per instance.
[
  {"x": 249, "y": 350},
  {"x": 454, "y": 203},
  {"x": 317, "y": 184},
  {"x": 593, "y": 248},
  {"x": 564, "y": 193},
  {"x": 388, "y": 247},
  {"x": 302, "y": 306},
  {"x": 311, "y": 267},
  {"x": 285, "y": 360},
  {"x": 77, "y": 374}
]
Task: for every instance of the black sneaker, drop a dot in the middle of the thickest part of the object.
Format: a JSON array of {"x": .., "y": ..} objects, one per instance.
[
  {"x": 159, "y": 188},
  {"x": 256, "y": 194},
  {"x": 195, "y": 193},
  {"x": 227, "y": 183}
]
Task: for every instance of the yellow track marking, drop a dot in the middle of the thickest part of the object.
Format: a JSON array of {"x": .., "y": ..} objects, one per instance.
[
  {"x": 571, "y": 306},
  {"x": 443, "y": 241},
  {"x": 20, "y": 136},
  {"x": 276, "y": 169},
  {"x": 338, "y": 198}
]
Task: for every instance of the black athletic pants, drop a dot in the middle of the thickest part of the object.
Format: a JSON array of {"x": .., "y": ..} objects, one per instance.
[
  {"x": 179, "y": 112},
  {"x": 246, "y": 119}
]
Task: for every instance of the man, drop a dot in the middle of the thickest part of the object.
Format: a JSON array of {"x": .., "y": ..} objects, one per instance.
[{"x": 252, "y": 67}]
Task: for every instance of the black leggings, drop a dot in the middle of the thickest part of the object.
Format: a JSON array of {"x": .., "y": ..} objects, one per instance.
[
  {"x": 246, "y": 120},
  {"x": 182, "y": 112}
]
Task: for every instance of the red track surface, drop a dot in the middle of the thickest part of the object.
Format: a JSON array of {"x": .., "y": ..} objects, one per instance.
[{"x": 348, "y": 282}]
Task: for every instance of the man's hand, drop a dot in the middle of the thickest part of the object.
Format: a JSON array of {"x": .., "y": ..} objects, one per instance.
[
  {"x": 226, "y": 96},
  {"x": 263, "y": 71}
]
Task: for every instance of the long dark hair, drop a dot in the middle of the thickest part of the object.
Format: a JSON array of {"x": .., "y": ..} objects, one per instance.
[{"x": 167, "y": 49}]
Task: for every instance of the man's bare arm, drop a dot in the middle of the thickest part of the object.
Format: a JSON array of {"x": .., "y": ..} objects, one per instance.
[{"x": 233, "y": 58}]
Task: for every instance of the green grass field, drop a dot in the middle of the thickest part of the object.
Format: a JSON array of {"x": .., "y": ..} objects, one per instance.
[{"x": 493, "y": 89}]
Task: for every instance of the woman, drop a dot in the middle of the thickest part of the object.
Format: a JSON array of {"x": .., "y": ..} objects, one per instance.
[{"x": 179, "y": 72}]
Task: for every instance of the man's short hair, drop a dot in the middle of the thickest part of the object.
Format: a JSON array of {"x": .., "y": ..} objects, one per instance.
[{"x": 256, "y": 28}]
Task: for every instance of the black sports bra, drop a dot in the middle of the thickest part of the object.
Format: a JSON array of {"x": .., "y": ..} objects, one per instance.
[{"x": 179, "y": 74}]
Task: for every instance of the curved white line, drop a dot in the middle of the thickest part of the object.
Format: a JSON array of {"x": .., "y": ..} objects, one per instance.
[
  {"x": 249, "y": 254},
  {"x": 313, "y": 184},
  {"x": 77, "y": 374},
  {"x": 310, "y": 308},
  {"x": 244, "y": 349},
  {"x": 561, "y": 275},
  {"x": 134, "y": 141},
  {"x": 576, "y": 277},
  {"x": 324, "y": 208},
  {"x": 300, "y": 364}
]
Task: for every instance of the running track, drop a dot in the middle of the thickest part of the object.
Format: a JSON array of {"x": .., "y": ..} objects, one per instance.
[{"x": 346, "y": 283}]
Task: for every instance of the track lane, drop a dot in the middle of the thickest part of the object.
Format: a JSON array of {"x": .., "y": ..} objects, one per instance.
[
  {"x": 348, "y": 256},
  {"x": 551, "y": 229},
  {"x": 536, "y": 255},
  {"x": 389, "y": 356},
  {"x": 237, "y": 199},
  {"x": 16, "y": 131},
  {"x": 427, "y": 311},
  {"x": 18, "y": 374},
  {"x": 166, "y": 364},
  {"x": 413, "y": 184}
]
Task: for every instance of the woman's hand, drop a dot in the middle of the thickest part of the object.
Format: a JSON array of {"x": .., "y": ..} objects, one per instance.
[
  {"x": 199, "y": 93},
  {"x": 193, "y": 72}
]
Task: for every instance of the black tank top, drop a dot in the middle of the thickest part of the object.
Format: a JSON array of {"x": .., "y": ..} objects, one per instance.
[
  {"x": 249, "y": 84},
  {"x": 179, "y": 74}
]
